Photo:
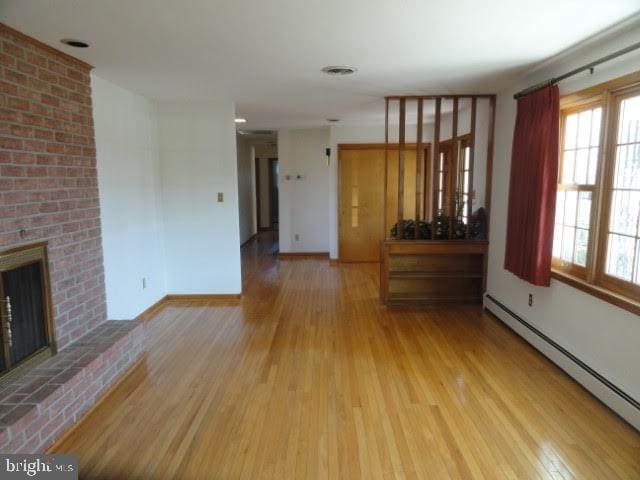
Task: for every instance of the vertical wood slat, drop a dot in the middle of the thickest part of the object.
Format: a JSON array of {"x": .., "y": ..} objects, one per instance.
[
  {"x": 427, "y": 173},
  {"x": 454, "y": 168},
  {"x": 385, "y": 231},
  {"x": 436, "y": 160},
  {"x": 419, "y": 160},
  {"x": 472, "y": 149},
  {"x": 489, "y": 167},
  {"x": 401, "y": 148}
]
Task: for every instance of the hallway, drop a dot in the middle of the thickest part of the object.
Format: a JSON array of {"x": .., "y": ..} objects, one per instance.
[{"x": 309, "y": 376}]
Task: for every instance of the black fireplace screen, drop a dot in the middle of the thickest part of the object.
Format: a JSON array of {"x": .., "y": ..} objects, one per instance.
[
  {"x": 26, "y": 329},
  {"x": 23, "y": 292}
]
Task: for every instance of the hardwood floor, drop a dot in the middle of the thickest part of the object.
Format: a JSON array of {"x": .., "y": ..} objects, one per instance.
[{"x": 308, "y": 376}]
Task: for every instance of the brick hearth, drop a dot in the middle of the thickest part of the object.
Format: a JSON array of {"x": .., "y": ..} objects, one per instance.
[{"x": 38, "y": 407}]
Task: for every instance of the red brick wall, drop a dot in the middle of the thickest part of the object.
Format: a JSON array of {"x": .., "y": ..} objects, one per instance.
[{"x": 48, "y": 179}]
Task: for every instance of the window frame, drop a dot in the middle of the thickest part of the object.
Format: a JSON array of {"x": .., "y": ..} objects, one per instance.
[
  {"x": 571, "y": 268},
  {"x": 444, "y": 176},
  {"x": 464, "y": 142},
  {"x": 603, "y": 279},
  {"x": 452, "y": 180},
  {"x": 593, "y": 278}
]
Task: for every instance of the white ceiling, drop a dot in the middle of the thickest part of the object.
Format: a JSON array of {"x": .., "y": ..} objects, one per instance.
[{"x": 267, "y": 54}]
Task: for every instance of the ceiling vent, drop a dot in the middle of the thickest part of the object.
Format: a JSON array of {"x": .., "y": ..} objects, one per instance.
[
  {"x": 72, "y": 42},
  {"x": 339, "y": 70}
]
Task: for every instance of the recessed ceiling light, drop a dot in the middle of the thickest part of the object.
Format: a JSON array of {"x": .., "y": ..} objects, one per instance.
[
  {"x": 333, "y": 120},
  {"x": 74, "y": 43},
  {"x": 241, "y": 120},
  {"x": 339, "y": 70}
]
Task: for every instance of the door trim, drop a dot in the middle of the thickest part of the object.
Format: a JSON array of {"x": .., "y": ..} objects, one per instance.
[
  {"x": 271, "y": 162},
  {"x": 257, "y": 169}
]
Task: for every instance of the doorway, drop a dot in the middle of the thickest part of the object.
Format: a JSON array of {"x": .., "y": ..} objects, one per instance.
[
  {"x": 267, "y": 171},
  {"x": 273, "y": 193}
]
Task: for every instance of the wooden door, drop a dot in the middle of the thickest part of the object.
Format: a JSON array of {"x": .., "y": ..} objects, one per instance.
[
  {"x": 361, "y": 207},
  {"x": 409, "y": 201},
  {"x": 361, "y": 197}
]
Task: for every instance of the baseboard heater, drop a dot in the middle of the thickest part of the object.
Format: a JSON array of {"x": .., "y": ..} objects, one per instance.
[{"x": 586, "y": 368}]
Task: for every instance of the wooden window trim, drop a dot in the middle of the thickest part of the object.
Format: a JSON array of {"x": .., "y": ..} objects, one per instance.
[
  {"x": 570, "y": 268},
  {"x": 593, "y": 279},
  {"x": 602, "y": 293},
  {"x": 452, "y": 181},
  {"x": 464, "y": 142},
  {"x": 446, "y": 150},
  {"x": 628, "y": 289},
  {"x": 427, "y": 168}
]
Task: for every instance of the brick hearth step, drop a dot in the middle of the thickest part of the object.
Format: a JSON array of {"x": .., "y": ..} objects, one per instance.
[{"x": 40, "y": 405}]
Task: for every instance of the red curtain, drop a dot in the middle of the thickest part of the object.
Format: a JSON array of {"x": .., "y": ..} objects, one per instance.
[{"x": 533, "y": 185}]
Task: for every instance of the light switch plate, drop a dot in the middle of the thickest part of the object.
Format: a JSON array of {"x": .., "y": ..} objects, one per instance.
[{"x": 220, "y": 197}]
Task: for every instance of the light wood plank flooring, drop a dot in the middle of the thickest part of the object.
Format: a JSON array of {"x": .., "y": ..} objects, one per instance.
[{"x": 308, "y": 376}]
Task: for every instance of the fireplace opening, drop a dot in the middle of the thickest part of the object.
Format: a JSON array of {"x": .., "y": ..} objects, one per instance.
[{"x": 26, "y": 330}]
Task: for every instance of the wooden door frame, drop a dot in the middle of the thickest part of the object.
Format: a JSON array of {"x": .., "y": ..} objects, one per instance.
[
  {"x": 453, "y": 180},
  {"x": 258, "y": 206},
  {"x": 271, "y": 162},
  {"x": 373, "y": 146}
]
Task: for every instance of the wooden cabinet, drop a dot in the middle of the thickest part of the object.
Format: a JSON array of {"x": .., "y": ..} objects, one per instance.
[{"x": 432, "y": 271}]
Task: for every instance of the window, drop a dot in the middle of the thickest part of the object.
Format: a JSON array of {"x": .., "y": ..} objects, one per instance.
[
  {"x": 623, "y": 235},
  {"x": 597, "y": 224},
  {"x": 580, "y": 146},
  {"x": 454, "y": 181},
  {"x": 443, "y": 167}
]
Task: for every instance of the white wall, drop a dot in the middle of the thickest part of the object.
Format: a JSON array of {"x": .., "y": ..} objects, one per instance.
[
  {"x": 198, "y": 160},
  {"x": 265, "y": 150},
  {"x": 304, "y": 204},
  {"x": 130, "y": 206},
  {"x": 246, "y": 186},
  {"x": 603, "y": 336}
]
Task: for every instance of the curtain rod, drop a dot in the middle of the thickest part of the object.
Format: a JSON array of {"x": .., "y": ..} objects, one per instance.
[{"x": 588, "y": 66}]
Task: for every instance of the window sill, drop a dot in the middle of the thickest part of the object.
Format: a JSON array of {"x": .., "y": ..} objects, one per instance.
[{"x": 603, "y": 294}]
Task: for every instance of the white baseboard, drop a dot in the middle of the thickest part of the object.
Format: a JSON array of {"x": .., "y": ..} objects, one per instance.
[{"x": 615, "y": 398}]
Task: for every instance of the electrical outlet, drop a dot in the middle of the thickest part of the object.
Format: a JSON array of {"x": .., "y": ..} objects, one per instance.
[
  {"x": 220, "y": 197},
  {"x": 297, "y": 237},
  {"x": 531, "y": 300},
  {"x": 144, "y": 282}
]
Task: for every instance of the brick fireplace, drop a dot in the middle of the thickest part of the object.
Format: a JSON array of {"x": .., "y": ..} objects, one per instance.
[
  {"x": 49, "y": 196},
  {"x": 48, "y": 178}
]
